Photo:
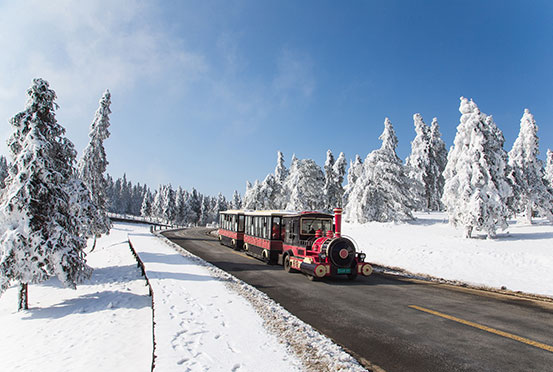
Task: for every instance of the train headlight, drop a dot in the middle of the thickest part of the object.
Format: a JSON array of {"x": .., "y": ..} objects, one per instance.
[{"x": 362, "y": 256}]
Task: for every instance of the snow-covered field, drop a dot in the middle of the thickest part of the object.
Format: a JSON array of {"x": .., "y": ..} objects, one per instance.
[
  {"x": 103, "y": 325},
  {"x": 519, "y": 259}
]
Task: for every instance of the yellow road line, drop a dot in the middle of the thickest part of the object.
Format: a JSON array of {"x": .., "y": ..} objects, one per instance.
[{"x": 487, "y": 329}]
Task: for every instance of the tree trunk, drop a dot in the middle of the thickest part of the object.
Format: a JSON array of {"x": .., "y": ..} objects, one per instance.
[
  {"x": 529, "y": 213},
  {"x": 93, "y": 244},
  {"x": 468, "y": 232},
  {"x": 23, "y": 297}
]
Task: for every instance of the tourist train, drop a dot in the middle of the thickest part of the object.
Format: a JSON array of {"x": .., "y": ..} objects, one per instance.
[{"x": 308, "y": 242}]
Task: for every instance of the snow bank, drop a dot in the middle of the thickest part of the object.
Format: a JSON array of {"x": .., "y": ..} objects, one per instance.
[
  {"x": 103, "y": 325},
  {"x": 207, "y": 319},
  {"x": 519, "y": 259}
]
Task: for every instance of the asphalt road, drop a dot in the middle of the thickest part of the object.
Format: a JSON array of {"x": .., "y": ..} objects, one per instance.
[{"x": 401, "y": 324}]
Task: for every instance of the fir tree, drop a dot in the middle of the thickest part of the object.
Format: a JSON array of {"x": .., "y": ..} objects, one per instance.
[
  {"x": 419, "y": 164},
  {"x": 4, "y": 171},
  {"x": 39, "y": 233},
  {"x": 146, "y": 207},
  {"x": 93, "y": 164},
  {"x": 236, "y": 200},
  {"x": 548, "y": 175},
  {"x": 382, "y": 192},
  {"x": 476, "y": 188},
  {"x": 305, "y": 182},
  {"x": 280, "y": 195},
  {"x": 438, "y": 161},
  {"x": 527, "y": 175},
  {"x": 354, "y": 171}
]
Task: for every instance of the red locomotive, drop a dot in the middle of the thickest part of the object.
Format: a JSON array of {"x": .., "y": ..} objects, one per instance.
[{"x": 307, "y": 241}]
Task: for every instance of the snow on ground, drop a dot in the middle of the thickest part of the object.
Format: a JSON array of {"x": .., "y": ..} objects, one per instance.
[
  {"x": 519, "y": 259},
  {"x": 207, "y": 320},
  {"x": 103, "y": 325}
]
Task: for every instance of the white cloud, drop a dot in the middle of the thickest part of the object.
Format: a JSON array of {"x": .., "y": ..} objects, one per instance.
[{"x": 82, "y": 48}]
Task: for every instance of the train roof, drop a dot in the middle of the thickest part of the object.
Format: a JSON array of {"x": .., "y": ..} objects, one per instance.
[{"x": 277, "y": 213}]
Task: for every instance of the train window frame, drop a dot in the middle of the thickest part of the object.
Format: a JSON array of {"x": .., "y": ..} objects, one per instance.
[{"x": 326, "y": 219}]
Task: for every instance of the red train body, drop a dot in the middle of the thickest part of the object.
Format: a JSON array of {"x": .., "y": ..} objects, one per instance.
[{"x": 308, "y": 241}]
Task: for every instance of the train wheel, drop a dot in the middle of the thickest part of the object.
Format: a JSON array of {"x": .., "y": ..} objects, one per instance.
[
  {"x": 220, "y": 240},
  {"x": 287, "y": 266}
]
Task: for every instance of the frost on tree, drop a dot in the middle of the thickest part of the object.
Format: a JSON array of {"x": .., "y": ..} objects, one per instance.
[
  {"x": 549, "y": 169},
  {"x": 354, "y": 171},
  {"x": 438, "y": 161},
  {"x": 530, "y": 190},
  {"x": 3, "y": 171},
  {"x": 236, "y": 202},
  {"x": 39, "y": 235},
  {"x": 419, "y": 164},
  {"x": 305, "y": 183},
  {"x": 334, "y": 177},
  {"x": 93, "y": 165},
  {"x": 279, "y": 190},
  {"x": 476, "y": 189},
  {"x": 382, "y": 191}
]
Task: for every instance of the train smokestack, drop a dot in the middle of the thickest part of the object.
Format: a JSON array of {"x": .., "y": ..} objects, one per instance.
[{"x": 338, "y": 222}]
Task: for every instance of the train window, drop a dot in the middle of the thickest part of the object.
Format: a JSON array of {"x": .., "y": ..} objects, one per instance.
[
  {"x": 240, "y": 223},
  {"x": 265, "y": 228},
  {"x": 275, "y": 228},
  {"x": 310, "y": 225}
]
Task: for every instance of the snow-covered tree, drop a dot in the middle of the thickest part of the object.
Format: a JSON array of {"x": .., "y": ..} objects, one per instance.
[
  {"x": 251, "y": 197},
  {"x": 280, "y": 194},
  {"x": 549, "y": 168},
  {"x": 236, "y": 202},
  {"x": 383, "y": 191},
  {"x": 339, "y": 174},
  {"x": 4, "y": 171},
  {"x": 530, "y": 190},
  {"x": 476, "y": 187},
  {"x": 334, "y": 177},
  {"x": 354, "y": 171},
  {"x": 306, "y": 185},
  {"x": 438, "y": 161},
  {"x": 268, "y": 192},
  {"x": 146, "y": 207},
  {"x": 93, "y": 164},
  {"x": 419, "y": 164},
  {"x": 39, "y": 235},
  {"x": 194, "y": 202}
]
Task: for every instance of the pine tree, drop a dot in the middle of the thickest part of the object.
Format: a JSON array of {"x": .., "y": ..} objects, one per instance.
[
  {"x": 527, "y": 175},
  {"x": 476, "y": 187},
  {"x": 329, "y": 185},
  {"x": 251, "y": 197},
  {"x": 383, "y": 191},
  {"x": 438, "y": 161},
  {"x": 280, "y": 196},
  {"x": 93, "y": 164},
  {"x": 354, "y": 171},
  {"x": 549, "y": 169},
  {"x": 194, "y": 207},
  {"x": 305, "y": 182},
  {"x": 419, "y": 164},
  {"x": 4, "y": 171},
  {"x": 146, "y": 207},
  {"x": 268, "y": 193},
  {"x": 236, "y": 200},
  {"x": 39, "y": 234},
  {"x": 339, "y": 174}
]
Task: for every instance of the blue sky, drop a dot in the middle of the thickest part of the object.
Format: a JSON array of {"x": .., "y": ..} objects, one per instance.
[{"x": 206, "y": 92}]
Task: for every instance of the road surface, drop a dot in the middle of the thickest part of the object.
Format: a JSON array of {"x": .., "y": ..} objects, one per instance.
[{"x": 400, "y": 324}]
